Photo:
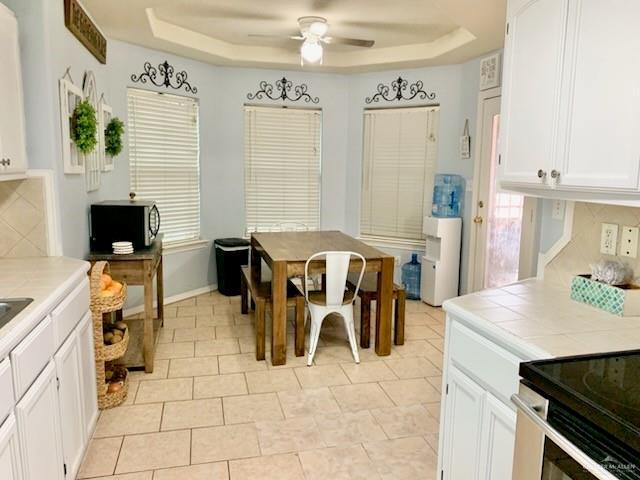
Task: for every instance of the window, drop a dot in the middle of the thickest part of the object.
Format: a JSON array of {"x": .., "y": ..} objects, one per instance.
[
  {"x": 282, "y": 167},
  {"x": 164, "y": 159},
  {"x": 399, "y": 161}
]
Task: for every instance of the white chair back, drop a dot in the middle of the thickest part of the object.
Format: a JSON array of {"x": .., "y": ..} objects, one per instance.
[{"x": 336, "y": 271}]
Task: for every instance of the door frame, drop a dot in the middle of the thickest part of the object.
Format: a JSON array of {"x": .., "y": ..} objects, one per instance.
[{"x": 527, "y": 258}]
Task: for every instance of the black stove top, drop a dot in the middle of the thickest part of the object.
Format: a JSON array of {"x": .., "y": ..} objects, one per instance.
[{"x": 603, "y": 389}]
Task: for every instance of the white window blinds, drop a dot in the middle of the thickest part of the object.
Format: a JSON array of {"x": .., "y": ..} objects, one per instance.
[
  {"x": 282, "y": 167},
  {"x": 164, "y": 159},
  {"x": 399, "y": 161}
]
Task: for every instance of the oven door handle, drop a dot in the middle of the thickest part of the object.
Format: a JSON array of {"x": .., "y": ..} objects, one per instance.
[{"x": 561, "y": 441}]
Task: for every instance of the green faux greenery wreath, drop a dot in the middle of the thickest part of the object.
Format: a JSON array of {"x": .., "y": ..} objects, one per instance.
[
  {"x": 85, "y": 127},
  {"x": 113, "y": 137}
]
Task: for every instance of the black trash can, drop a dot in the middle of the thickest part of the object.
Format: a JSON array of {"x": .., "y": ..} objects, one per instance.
[{"x": 231, "y": 254}]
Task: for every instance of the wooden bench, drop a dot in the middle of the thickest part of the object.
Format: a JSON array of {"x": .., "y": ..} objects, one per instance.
[
  {"x": 368, "y": 292},
  {"x": 261, "y": 296}
]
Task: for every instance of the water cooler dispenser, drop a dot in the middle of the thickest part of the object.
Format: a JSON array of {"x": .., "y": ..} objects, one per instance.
[{"x": 441, "y": 261}]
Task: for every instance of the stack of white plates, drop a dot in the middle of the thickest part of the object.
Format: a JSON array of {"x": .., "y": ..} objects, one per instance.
[{"x": 122, "y": 248}]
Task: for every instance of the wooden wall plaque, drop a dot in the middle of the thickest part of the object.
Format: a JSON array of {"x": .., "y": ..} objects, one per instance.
[{"x": 80, "y": 23}]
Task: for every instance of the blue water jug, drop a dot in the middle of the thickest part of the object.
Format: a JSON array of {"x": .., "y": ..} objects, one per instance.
[
  {"x": 448, "y": 192},
  {"x": 411, "y": 278}
]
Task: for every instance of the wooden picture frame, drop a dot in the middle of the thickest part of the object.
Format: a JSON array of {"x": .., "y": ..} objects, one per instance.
[
  {"x": 80, "y": 23},
  {"x": 70, "y": 97},
  {"x": 92, "y": 160},
  {"x": 490, "y": 72},
  {"x": 105, "y": 114}
]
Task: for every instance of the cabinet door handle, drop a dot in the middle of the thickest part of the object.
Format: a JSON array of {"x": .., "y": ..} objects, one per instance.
[
  {"x": 555, "y": 174},
  {"x": 542, "y": 174}
]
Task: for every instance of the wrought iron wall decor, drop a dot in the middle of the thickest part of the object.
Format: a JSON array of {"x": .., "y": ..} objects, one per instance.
[
  {"x": 167, "y": 71},
  {"x": 399, "y": 88},
  {"x": 283, "y": 87}
]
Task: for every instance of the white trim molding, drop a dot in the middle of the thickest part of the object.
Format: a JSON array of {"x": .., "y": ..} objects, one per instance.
[
  {"x": 172, "y": 299},
  {"x": 545, "y": 258},
  {"x": 51, "y": 205}
]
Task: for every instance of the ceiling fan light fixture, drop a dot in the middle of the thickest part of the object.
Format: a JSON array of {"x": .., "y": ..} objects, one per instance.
[
  {"x": 319, "y": 29},
  {"x": 311, "y": 52}
]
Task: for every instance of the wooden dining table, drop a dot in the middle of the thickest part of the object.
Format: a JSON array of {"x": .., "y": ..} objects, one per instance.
[{"x": 286, "y": 254}]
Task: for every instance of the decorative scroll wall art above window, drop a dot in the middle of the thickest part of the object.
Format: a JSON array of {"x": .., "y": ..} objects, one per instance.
[
  {"x": 168, "y": 74},
  {"x": 283, "y": 89},
  {"x": 400, "y": 89}
]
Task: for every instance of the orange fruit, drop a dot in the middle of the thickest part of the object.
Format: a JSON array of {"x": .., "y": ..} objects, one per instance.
[
  {"x": 107, "y": 293},
  {"x": 115, "y": 287},
  {"x": 105, "y": 281}
]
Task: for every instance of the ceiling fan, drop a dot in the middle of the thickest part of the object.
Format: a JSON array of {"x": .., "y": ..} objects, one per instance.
[{"x": 313, "y": 33}]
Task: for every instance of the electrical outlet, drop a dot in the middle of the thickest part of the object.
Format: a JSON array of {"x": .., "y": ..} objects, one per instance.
[
  {"x": 629, "y": 242},
  {"x": 558, "y": 210},
  {"x": 609, "y": 238}
]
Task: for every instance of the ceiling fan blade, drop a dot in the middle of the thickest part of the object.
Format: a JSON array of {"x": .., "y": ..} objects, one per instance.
[
  {"x": 276, "y": 37},
  {"x": 349, "y": 41},
  {"x": 407, "y": 28}
]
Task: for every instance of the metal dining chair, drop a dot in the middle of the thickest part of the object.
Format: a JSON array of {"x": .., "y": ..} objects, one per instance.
[{"x": 335, "y": 297}]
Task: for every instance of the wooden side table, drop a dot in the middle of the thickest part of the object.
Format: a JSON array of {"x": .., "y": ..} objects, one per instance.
[{"x": 140, "y": 268}]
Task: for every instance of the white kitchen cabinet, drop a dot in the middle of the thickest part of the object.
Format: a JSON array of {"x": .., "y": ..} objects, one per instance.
[
  {"x": 87, "y": 375},
  {"x": 497, "y": 440},
  {"x": 463, "y": 426},
  {"x": 39, "y": 429},
  {"x": 70, "y": 396},
  {"x": 478, "y": 429},
  {"x": 571, "y": 100},
  {"x": 10, "y": 450},
  {"x": 533, "y": 56},
  {"x": 13, "y": 155},
  {"x": 601, "y": 119}
]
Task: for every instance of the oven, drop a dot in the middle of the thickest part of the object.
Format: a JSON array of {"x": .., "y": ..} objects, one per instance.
[{"x": 554, "y": 442}]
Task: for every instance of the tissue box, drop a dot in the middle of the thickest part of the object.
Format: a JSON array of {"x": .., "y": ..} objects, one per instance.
[{"x": 621, "y": 300}]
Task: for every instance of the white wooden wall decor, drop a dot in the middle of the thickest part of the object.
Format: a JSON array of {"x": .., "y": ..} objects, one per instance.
[
  {"x": 105, "y": 114},
  {"x": 70, "y": 96},
  {"x": 92, "y": 160},
  {"x": 490, "y": 72}
]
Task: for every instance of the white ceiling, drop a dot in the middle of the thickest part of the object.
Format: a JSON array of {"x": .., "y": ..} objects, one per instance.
[{"x": 408, "y": 33}]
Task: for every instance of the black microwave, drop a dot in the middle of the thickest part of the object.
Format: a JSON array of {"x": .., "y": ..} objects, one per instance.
[{"x": 135, "y": 221}]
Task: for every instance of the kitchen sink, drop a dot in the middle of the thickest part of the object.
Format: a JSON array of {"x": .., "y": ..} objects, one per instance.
[{"x": 10, "y": 307}]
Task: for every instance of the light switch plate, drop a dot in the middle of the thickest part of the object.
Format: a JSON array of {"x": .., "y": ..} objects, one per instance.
[
  {"x": 609, "y": 238},
  {"x": 629, "y": 242}
]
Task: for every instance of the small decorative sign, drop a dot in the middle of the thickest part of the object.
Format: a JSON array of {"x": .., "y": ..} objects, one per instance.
[
  {"x": 78, "y": 21},
  {"x": 465, "y": 142}
]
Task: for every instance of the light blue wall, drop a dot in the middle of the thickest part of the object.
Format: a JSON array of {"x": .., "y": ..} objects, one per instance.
[
  {"x": 48, "y": 48},
  {"x": 456, "y": 89}
]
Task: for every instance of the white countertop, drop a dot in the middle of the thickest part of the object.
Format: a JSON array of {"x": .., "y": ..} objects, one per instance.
[
  {"x": 534, "y": 319},
  {"x": 45, "y": 279}
]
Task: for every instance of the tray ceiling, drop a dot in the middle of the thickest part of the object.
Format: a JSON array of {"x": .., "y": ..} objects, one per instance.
[{"x": 408, "y": 33}]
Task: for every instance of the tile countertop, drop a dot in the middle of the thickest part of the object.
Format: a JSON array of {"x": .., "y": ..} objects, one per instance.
[
  {"x": 45, "y": 279},
  {"x": 534, "y": 320}
]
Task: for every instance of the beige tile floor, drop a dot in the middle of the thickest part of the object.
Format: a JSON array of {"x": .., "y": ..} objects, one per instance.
[{"x": 211, "y": 411}]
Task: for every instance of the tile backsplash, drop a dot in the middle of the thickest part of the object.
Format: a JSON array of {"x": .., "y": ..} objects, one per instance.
[
  {"x": 23, "y": 222},
  {"x": 583, "y": 249}
]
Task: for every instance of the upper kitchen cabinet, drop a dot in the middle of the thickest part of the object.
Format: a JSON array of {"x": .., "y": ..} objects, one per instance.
[
  {"x": 601, "y": 108},
  {"x": 13, "y": 155},
  {"x": 571, "y": 101},
  {"x": 531, "y": 89}
]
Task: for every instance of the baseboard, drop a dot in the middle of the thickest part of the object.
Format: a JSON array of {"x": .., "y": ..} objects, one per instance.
[{"x": 173, "y": 298}]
